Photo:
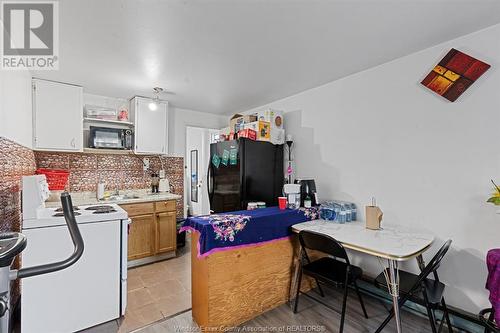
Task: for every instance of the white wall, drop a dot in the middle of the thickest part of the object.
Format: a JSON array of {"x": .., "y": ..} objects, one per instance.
[
  {"x": 15, "y": 107},
  {"x": 179, "y": 119},
  {"x": 426, "y": 160}
]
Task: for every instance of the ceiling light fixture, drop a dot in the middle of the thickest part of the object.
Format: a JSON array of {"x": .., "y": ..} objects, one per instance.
[{"x": 153, "y": 105}]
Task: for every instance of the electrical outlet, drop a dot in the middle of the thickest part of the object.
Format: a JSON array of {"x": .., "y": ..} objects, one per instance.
[{"x": 145, "y": 161}]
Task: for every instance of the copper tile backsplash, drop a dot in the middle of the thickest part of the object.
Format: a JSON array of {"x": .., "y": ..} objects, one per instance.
[
  {"x": 118, "y": 172},
  {"x": 15, "y": 162}
]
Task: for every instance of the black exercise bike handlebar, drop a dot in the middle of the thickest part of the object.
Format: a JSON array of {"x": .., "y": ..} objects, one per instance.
[{"x": 76, "y": 237}]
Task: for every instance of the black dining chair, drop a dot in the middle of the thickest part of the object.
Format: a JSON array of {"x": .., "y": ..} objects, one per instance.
[
  {"x": 486, "y": 318},
  {"x": 422, "y": 290},
  {"x": 334, "y": 270}
]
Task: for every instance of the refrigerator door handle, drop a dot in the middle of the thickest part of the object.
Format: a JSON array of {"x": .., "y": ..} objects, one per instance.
[
  {"x": 208, "y": 180},
  {"x": 209, "y": 177}
]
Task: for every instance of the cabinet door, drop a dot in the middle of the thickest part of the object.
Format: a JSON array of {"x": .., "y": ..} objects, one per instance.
[
  {"x": 141, "y": 239},
  {"x": 151, "y": 127},
  {"x": 166, "y": 232},
  {"x": 57, "y": 113}
]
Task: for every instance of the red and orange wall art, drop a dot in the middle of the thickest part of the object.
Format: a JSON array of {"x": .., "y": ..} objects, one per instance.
[{"x": 454, "y": 74}]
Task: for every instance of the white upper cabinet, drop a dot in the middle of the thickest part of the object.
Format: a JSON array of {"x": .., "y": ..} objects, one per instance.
[
  {"x": 151, "y": 126},
  {"x": 57, "y": 116}
]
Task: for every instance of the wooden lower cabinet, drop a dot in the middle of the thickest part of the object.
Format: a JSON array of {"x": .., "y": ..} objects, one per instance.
[
  {"x": 141, "y": 240},
  {"x": 166, "y": 232},
  {"x": 153, "y": 229}
]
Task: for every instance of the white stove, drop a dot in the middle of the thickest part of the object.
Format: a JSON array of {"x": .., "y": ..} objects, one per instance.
[
  {"x": 51, "y": 217},
  {"x": 88, "y": 293}
]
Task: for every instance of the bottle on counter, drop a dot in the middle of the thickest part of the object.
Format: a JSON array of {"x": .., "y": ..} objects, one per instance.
[
  {"x": 342, "y": 214},
  {"x": 100, "y": 190},
  {"x": 348, "y": 212},
  {"x": 327, "y": 212},
  {"x": 354, "y": 212},
  {"x": 307, "y": 201}
]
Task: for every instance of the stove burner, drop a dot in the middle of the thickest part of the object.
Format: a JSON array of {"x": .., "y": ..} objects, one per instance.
[
  {"x": 75, "y": 208},
  {"x": 62, "y": 214},
  {"x": 104, "y": 210},
  {"x": 100, "y": 207}
]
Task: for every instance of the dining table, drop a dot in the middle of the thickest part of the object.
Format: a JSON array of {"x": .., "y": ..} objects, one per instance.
[{"x": 392, "y": 244}]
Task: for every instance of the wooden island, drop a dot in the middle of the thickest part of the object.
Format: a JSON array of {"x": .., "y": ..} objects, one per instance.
[{"x": 233, "y": 286}]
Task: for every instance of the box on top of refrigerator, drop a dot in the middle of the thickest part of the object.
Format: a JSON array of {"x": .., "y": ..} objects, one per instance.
[
  {"x": 247, "y": 133},
  {"x": 274, "y": 117},
  {"x": 237, "y": 121},
  {"x": 263, "y": 129}
]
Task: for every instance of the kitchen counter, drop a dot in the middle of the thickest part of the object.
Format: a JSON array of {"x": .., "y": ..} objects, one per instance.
[{"x": 128, "y": 197}]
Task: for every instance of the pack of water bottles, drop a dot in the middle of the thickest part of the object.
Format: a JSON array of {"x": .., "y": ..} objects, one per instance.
[{"x": 338, "y": 211}]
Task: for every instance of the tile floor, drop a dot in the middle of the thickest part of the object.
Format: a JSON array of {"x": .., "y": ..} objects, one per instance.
[{"x": 155, "y": 292}]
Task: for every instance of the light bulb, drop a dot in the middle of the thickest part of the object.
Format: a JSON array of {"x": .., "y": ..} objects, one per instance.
[{"x": 153, "y": 106}]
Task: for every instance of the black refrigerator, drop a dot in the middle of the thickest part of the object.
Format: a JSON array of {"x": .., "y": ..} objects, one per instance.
[{"x": 254, "y": 172}]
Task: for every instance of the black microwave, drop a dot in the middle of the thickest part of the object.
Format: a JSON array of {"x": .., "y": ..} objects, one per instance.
[{"x": 111, "y": 138}]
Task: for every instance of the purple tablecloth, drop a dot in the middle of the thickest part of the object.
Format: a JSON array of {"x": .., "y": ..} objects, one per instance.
[
  {"x": 493, "y": 282},
  {"x": 226, "y": 231}
]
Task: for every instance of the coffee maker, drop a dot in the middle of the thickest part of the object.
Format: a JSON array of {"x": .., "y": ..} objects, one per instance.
[
  {"x": 292, "y": 193},
  {"x": 307, "y": 188}
]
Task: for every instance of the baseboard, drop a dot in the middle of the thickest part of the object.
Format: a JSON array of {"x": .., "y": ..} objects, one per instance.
[
  {"x": 150, "y": 260},
  {"x": 461, "y": 319}
]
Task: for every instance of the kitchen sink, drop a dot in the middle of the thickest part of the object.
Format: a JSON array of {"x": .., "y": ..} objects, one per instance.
[{"x": 121, "y": 197}]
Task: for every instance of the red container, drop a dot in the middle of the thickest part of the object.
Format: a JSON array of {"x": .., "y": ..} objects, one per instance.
[
  {"x": 248, "y": 133},
  {"x": 57, "y": 179},
  {"x": 282, "y": 202}
]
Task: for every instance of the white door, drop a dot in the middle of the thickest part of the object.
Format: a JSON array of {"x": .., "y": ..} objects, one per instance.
[
  {"x": 197, "y": 158},
  {"x": 58, "y": 116},
  {"x": 151, "y": 127}
]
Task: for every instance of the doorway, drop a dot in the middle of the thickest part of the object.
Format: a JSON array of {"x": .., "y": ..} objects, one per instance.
[{"x": 197, "y": 158}]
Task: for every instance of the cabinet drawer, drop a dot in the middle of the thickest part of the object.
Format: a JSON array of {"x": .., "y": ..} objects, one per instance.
[
  {"x": 165, "y": 206},
  {"x": 138, "y": 208}
]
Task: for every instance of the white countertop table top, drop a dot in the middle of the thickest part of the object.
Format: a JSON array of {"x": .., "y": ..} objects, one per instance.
[{"x": 392, "y": 242}]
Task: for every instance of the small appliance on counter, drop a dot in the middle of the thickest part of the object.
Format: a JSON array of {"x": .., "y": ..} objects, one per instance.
[
  {"x": 164, "y": 185},
  {"x": 292, "y": 193},
  {"x": 110, "y": 138},
  {"x": 308, "y": 194}
]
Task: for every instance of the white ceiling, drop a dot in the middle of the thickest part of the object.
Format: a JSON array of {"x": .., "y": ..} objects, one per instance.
[{"x": 226, "y": 56}]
